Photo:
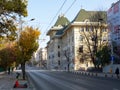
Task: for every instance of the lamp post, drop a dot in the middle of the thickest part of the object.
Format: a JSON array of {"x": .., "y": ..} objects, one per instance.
[{"x": 21, "y": 24}]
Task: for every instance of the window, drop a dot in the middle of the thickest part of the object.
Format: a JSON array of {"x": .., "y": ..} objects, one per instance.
[
  {"x": 104, "y": 30},
  {"x": 52, "y": 56},
  {"x": 94, "y": 38},
  {"x": 91, "y": 29},
  {"x": 58, "y": 54},
  {"x": 87, "y": 29},
  {"x": 72, "y": 39},
  {"x": 81, "y": 49},
  {"x": 81, "y": 38},
  {"x": 81, "y": 29},
  {"x": 104, "y": 39},
  {"x": 73, "y": 49},
  {"x": 58, "y": 62},
  {"x": 58, "y": 46},
  {"x": 81, "y": 60}
]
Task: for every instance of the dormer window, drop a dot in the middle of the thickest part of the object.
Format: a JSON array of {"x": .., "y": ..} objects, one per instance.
[
  {"x": 81, "y": 29},
  {"x": 86, "y": 20}
]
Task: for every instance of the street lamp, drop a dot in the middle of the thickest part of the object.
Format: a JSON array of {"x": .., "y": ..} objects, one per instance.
[{"x": 21, "y": 25}]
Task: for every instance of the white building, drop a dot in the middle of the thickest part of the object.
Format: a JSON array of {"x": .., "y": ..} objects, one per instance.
[
  {"x": 65, "y": 41},
  {"x": 42, "y": 62}
]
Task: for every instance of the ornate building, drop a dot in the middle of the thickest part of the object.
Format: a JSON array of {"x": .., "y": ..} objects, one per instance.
[{"x": 67, "y": 48}]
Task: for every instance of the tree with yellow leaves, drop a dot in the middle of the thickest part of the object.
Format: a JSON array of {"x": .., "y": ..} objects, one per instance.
[{"x": 28, "y": 44}]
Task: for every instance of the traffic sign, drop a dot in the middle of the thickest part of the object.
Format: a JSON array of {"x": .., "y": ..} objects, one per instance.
[{"x": 112, "y": 57}]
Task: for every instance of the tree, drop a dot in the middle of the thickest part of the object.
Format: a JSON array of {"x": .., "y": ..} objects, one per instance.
[
  {"x": 116, "y": 52},
  {"x": 94, "y": 36},
  {"x": 103, "y": 56},
  {"x": 28, "y": 45},
  {"x": 67, "y": 55},
  {"x": 9, "y": 9},
  {"x": 8, "y": 55}
]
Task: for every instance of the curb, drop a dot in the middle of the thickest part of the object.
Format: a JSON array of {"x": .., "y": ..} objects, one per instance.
[
  {"x": 31, "y": 86},
  {"x": 2, "y": 72},
  {"x": 106, "y": 75}
]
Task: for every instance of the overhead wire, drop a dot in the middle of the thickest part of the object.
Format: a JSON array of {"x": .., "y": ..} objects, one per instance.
[
  {"x": 54, "y": 17},
  {"x": 70, "y": 7},
  {"x": 57, "y": 14}
]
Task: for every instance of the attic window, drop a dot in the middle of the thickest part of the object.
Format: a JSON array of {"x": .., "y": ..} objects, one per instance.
[
  {"x": 87, "y": 20},
  {"x": 59, "y": 25},
  {"x": 81, "y": 29}
]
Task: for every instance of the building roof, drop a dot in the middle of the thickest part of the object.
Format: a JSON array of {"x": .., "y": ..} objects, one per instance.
[
  {"x": 91, "y": 15},
  {"x": 62, "y": 21},
  {"x": 60, "y": 32}
]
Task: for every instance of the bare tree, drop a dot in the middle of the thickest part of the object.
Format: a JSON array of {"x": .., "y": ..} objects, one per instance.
[
  {"x": 94, "y": 36},
  {"x": 67, "y": 55}
]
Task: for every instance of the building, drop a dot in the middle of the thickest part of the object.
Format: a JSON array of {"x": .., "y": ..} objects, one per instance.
[
  {"x": 66, "y": 41},
  {"x": 113, "y": 19},
  {"x": 113, "y": 15},
  {"x": 42, "y": 58},
  {"x": 54, "y": 45}
]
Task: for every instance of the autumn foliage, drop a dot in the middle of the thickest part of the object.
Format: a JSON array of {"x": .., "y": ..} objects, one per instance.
[
  {"x": 8, "y": 55},
  {"x": 28, "y": 42}
]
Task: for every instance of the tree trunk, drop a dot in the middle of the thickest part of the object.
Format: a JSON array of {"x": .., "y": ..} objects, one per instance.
[
  {"x": 23, "y": 70},
  {"x": 8, "y": 70},
  {"x": 94, "y": 62},
  {"x": 68, "y": 67}
]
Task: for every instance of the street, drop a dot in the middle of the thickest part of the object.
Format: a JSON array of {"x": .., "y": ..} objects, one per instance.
[{"x": 59, "y": 80}]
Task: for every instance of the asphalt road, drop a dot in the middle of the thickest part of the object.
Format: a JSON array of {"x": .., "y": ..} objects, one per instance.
[{"x": 57, "y": 80}]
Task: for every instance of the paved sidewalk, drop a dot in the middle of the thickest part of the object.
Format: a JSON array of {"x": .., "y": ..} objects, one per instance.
[{"x": 7, "y": 82}]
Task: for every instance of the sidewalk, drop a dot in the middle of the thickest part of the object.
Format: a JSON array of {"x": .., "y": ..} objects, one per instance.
[
  {"x": 7, "y": 82},
  {"x": 106, "y": 75}
]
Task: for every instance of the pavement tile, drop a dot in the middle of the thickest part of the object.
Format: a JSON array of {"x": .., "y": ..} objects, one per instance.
[{"x": 7, "y": 82}]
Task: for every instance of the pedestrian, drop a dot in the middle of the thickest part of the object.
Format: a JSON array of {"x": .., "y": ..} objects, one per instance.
[
  {"x": 8, "y": 70},
  {"x": 18, "y": 75},
  {"x": 117, "y": 72}
]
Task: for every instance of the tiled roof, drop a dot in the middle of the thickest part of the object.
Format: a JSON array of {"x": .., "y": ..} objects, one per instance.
[
  {"x": 83, "y": 15},
  {"x": 62, "y": 21},
  {"x": 60, "y": 32}
]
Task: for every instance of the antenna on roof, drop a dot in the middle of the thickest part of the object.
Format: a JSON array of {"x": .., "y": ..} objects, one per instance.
[
  {"x": 81, "y": 7},
  {"x": 61, "y": 15}
]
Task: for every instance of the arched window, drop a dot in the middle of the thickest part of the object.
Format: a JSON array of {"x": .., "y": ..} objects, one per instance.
[{"x": 81, "y": 38}]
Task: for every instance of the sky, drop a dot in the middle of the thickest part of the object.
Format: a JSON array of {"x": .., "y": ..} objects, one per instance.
[{"x": 46, "y": 12}]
